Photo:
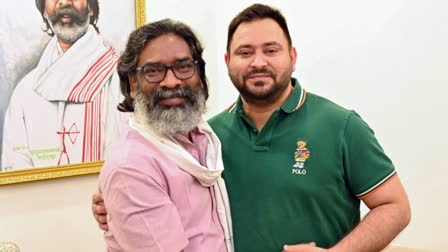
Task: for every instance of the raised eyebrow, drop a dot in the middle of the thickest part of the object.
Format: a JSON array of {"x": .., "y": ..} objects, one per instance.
[
  {"x": 158, "y": 63},
  {"x": 183, "y": 59},
  {"x": 150, "y": 63},
  {"x": 273, "y": 43}
]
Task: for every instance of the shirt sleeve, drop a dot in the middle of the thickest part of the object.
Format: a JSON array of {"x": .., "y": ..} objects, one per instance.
[
  {"x": 141, "y": 216},
  {"x": 15, "y": 152},
  {"x": 366, "y": 165}
]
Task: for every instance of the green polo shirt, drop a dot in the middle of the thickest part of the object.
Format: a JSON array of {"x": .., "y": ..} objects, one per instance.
[{"x": 300, "y": 178}]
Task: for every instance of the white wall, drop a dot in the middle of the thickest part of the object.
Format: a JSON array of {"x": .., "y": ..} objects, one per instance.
[{"x": 385, "y": 59}]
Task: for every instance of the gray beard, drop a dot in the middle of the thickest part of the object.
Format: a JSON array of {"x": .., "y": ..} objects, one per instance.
[
  {"x": 170, "y": 121},
  {"x": 70, "y": 34}
]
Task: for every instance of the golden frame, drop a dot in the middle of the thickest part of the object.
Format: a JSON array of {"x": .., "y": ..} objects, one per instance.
[{"x": 52, "y": 172}]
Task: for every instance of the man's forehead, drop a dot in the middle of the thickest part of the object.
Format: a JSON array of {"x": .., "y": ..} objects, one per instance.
[
  {"x": 165, "y": 49},
  {"x": 166, "y": 41}
]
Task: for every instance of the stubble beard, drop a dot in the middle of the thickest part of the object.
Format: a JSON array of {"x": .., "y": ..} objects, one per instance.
[
  {"x": 258, "y": 95},
  {"x": 171, "y": 120}
]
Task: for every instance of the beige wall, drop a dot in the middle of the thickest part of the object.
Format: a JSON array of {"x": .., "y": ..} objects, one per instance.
[{"x": 51, "y": 215}]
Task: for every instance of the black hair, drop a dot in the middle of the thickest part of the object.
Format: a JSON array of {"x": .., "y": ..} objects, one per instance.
[{"x": 257, "y": 12}]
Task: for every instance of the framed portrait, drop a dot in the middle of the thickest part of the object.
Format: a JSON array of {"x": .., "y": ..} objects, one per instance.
[{"x": 59, "y": 88}]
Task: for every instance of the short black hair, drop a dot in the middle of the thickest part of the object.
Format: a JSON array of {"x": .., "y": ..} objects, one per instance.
[
  {"x": 257, "y": 12},
  {"x": 139, "y": 38},
  {"x": 40, "y": 4}
]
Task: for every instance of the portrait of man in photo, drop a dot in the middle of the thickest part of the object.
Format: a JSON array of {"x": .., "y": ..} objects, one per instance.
[{"x": 60, "y": 100}]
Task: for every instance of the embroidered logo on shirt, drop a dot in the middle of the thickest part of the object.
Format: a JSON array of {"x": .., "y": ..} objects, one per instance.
[{"x": 300, "y": 156}]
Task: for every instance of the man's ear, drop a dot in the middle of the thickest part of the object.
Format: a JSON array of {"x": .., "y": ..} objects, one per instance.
[
  {"x": 90, "y": 11},
  {"x": 293, "y": 54},
  {"x": 132, "y": 83},
  {"x": 227, "y": 59}
]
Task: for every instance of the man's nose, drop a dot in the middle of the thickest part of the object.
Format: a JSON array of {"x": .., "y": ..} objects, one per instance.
[
  {"x": 170, "y": 80},
  {"x": 258, "y": 61},
  {"x": 64, "y": 3}
]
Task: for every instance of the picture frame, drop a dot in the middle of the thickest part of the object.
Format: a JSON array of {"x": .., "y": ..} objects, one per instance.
[{"x": 77, "y": 169}]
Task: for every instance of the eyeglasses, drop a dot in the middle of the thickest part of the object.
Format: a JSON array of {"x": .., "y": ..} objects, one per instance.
[{"x": 156, "y": 72}]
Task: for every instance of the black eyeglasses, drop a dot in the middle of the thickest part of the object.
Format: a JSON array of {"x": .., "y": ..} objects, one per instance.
[{"x": 156, "y": 72}]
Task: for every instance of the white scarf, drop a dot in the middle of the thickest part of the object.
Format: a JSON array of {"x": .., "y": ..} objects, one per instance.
[
  {"x": 207, "y": 176},
  {"x": 78, "y": 74}
]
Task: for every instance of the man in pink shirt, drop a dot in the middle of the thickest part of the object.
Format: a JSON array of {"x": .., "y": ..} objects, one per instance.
[{"x": 161, "y": 182}]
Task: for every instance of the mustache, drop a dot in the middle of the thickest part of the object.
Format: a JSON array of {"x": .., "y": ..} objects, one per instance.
[
  {"x": 179, "y": 92},
  {"x": 263, "y": 70},
  {"x": 78, "y": 17}
]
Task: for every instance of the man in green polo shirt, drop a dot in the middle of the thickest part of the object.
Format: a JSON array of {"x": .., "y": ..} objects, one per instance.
[{"x": 296, "y": 164}]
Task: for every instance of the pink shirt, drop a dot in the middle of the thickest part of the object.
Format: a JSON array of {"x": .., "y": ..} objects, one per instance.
[{"x": 152, "y": 204}]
